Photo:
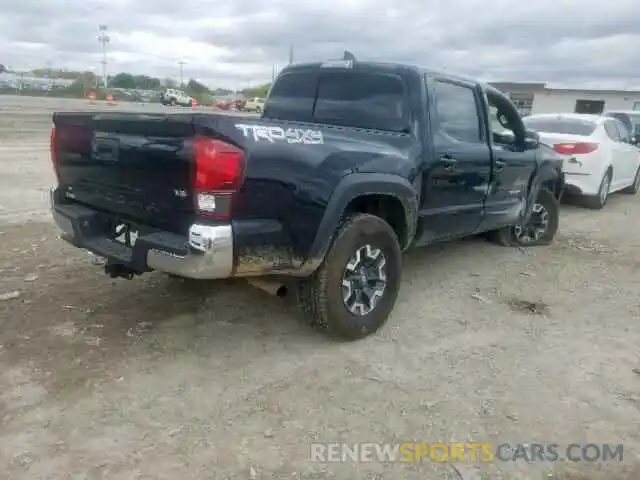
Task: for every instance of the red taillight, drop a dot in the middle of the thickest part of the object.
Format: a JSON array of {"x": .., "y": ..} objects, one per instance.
[
  {"x": 218, "y": 175},
  {"x": 54, "y": 150},
  {"x": 579, "y": 148}
]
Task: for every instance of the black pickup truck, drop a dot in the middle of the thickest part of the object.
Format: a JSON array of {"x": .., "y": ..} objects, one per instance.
[{"x": 350, "y": 164}]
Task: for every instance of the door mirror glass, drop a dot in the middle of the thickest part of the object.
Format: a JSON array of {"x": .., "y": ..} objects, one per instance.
[{"x": 531, "y": 134}]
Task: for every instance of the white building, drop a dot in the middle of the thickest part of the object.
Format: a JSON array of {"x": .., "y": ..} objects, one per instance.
[{"x": 534, "y": 98}]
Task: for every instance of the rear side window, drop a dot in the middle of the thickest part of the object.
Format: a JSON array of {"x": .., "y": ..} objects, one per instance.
[
  {"x": 362, "y": 99},
  {"x": 567, "y": 126},
  {"x": 346, "y": 98},
  {"x": 458, "y": 111}
]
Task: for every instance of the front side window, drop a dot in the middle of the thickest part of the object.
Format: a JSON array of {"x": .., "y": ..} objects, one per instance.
[
  {"x": 499, "y": 125},
  {"x": 457, "y": 111}
]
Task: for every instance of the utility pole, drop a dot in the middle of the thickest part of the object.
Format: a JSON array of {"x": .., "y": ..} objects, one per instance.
[
  {"x": 103, "y": 38},
  {"x": 290, "y": 54},
  {"x": 181, "y": 63}
]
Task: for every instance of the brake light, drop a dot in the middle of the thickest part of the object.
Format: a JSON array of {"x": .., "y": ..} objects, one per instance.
[
  {"x": 54, "y": 151},
  {"x": 579, "y": 148},
  {"x": 218, "y": 176}
]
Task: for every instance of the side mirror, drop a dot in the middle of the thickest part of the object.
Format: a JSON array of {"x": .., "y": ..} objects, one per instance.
[{"x": 531, "y": 139}]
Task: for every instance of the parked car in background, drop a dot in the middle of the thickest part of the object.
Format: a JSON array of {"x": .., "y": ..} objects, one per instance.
[
  {"x": 230, "y": 103},
  {"x": 223, "y": 103},
  {"x": 599, "y": 154},
  {"x": 254, "y": 105},
  {"x": 630, "y": 119},
  {"x": 173, "y": 97}
]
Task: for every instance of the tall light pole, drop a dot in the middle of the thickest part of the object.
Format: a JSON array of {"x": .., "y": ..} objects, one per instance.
[
  {"x": 181, "y": 63},
  {"x": 103, "y": 38},
  {"x": 290, "y": 54}
]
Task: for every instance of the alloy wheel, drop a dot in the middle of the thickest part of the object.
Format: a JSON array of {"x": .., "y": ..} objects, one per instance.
[
  {"x": 605, "y": 186},
  {"x": 364, "y": 280},
  {"x": 536, "y": 226}
]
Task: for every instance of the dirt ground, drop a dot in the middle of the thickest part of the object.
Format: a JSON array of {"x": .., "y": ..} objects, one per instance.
[{"x": 160, "y": 379}]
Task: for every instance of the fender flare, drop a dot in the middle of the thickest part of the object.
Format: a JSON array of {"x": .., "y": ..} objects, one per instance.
[
  {"x": 540, "y": 178},
  {"x": 353, "y": 186}
]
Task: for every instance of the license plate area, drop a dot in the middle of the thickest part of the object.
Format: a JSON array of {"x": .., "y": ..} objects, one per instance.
[
  {"x": 105, "y": 150},
  {"x": 126, "y": 234}
]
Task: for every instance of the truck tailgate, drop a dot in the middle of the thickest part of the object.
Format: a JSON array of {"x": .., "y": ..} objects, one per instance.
[{"x": 136, "y": 166}]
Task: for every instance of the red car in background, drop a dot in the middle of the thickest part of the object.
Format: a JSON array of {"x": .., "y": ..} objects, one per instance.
[{"x": 230, "y": 103}]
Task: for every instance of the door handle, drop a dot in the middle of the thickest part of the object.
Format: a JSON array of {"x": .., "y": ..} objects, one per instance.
[
  {"x": 449, "y": 162},
  {"x": 499, "y": 165}
]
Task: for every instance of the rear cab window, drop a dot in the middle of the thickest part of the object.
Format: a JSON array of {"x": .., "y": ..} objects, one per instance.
[
  {"x": 342, "y": 97},
  {"x": 562, "y": 125}
]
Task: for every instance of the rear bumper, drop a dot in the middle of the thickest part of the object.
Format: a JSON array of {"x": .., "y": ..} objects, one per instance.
[
  {"x": 207, "y": 252},
  {"x": 582, "y": 184}
]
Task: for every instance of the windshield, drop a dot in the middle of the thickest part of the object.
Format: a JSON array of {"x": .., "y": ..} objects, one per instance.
[{"x": 564, "y": 125}]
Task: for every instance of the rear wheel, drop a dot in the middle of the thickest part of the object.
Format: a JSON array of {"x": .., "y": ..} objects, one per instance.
[
  {"x": 354, "y": 290},
  {"x": 173, "y": 102},
  {"x": 539, "y": 229},
  {"x": 258, "y": 110},
  {"x": 596, "y": 202},
  {"x": 635, "y": 186}
]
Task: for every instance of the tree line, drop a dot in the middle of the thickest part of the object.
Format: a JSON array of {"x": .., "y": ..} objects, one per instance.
[{"x": 86, "y": 81}]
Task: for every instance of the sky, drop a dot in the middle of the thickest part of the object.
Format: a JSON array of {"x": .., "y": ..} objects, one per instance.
[{"x": 236, "y": 43}]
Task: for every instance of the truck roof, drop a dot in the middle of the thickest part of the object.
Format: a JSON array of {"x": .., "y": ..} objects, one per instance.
[{"x": 388, "y": 67}]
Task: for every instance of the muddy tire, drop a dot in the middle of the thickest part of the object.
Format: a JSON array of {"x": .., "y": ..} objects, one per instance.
[
  {"x": 540, "y": 229},
  {"x": 597, "y": 202},
  {"x": 635, "y": 186},
  {"x": 352, "y": 293}
]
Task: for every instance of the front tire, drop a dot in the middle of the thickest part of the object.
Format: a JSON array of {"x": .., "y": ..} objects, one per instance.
[
  {"x": 635, "y": 186},
  {"x": 352, "y": 293},
  {"x": 597, "y": 202},
  {"x": 540, "y": 228}
]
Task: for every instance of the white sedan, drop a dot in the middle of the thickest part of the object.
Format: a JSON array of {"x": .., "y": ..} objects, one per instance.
[{"x": 599, "y": 155}]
